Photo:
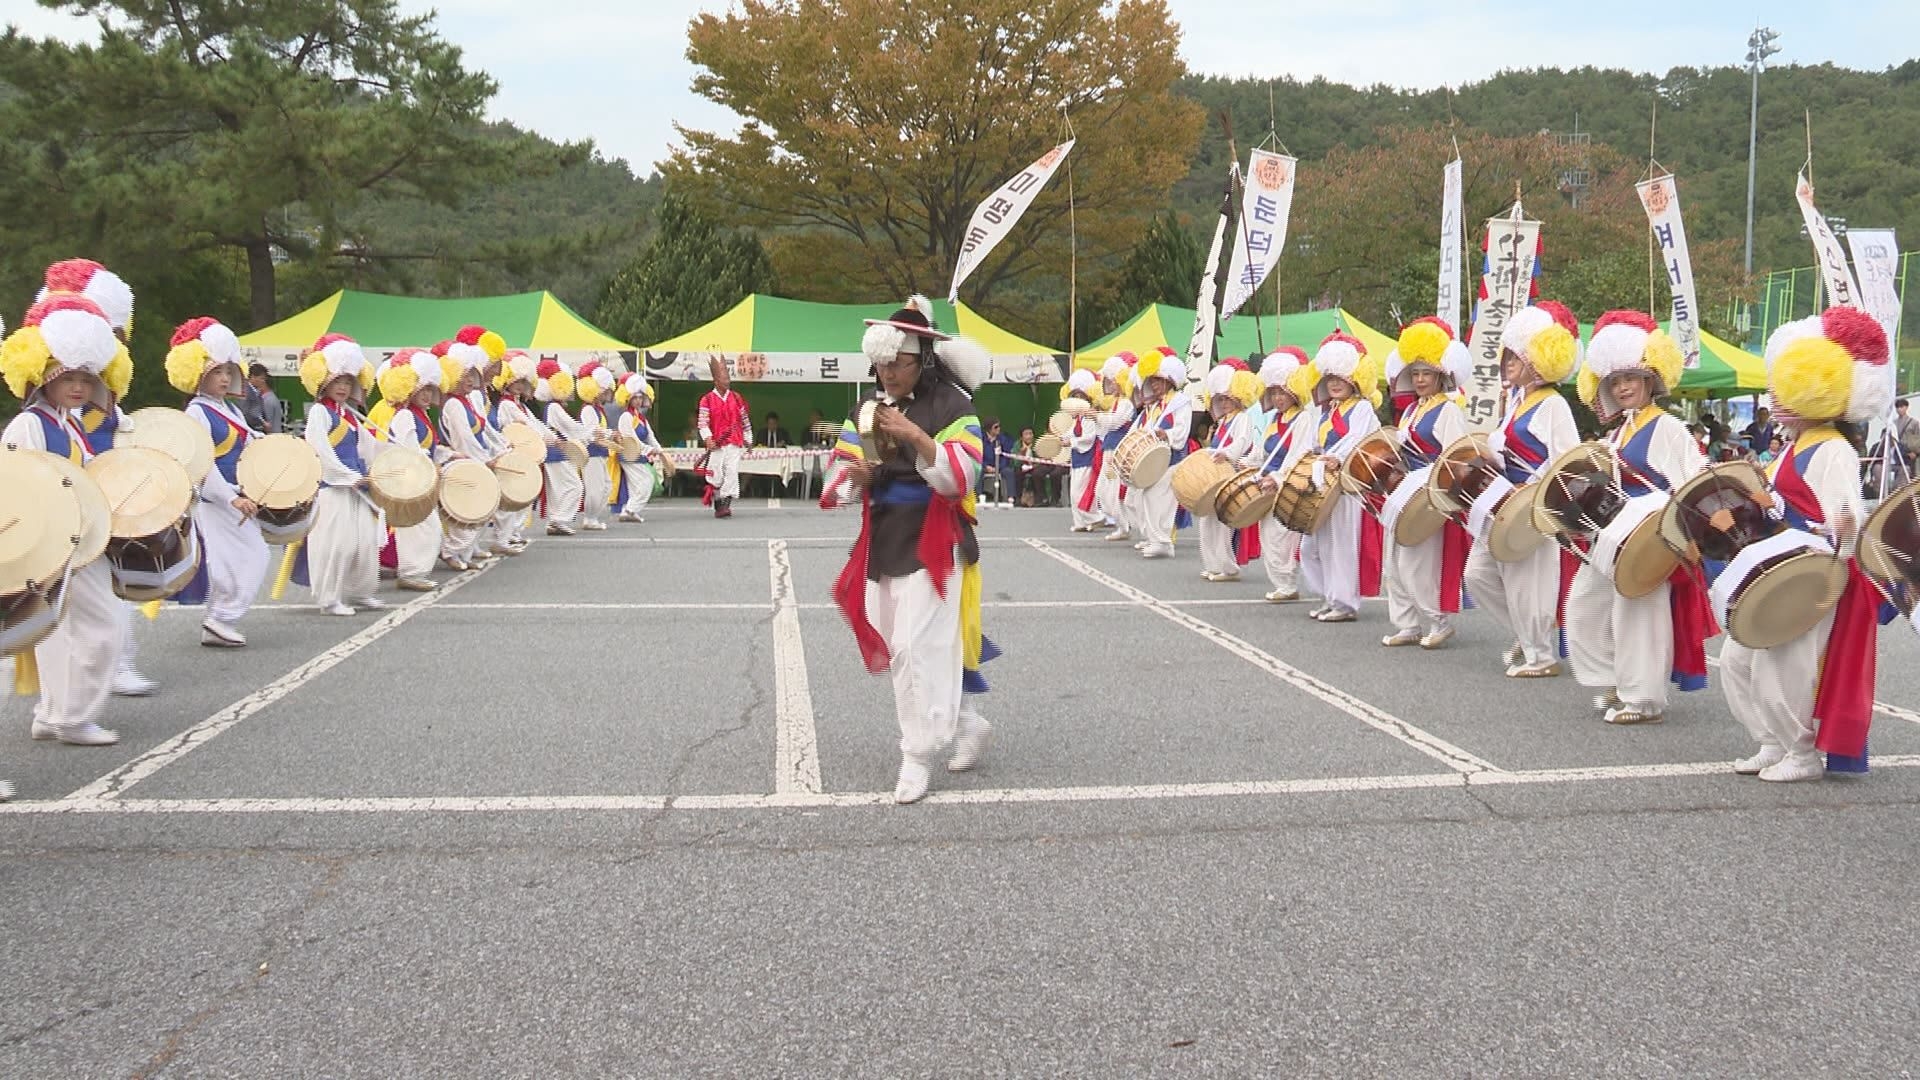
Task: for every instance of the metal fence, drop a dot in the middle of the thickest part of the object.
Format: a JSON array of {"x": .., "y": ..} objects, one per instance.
[{"x": 1786, "y": 295}]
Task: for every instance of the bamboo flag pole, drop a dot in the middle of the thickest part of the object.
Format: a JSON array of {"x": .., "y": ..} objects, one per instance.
[
  {"x": 1073, "y": 256},
  {"x": 1239, "y": 192}
]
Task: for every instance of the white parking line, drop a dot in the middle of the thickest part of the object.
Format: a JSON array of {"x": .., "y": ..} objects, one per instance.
[
  {"x": 114, "y": 784},
  {"x": 1424, "y": 741},
  {"x": 506, "y": 804},
  {"x": 796, "y": 743}
]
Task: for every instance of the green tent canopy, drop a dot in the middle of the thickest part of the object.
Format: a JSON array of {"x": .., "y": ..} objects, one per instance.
[
  {"x": 775, "y": 340},
  {"x": 383, "y": 324}
]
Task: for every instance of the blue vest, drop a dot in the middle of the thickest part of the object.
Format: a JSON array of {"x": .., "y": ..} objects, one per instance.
[
  {"x": 594, "y": 449},
  {"x": 1642, "y": 478},
  {"x": 1421, "y": 446},
  {"x": 228, "y": 443},
  {"x": 345, "y": 437},
  {"x": 100, "y": 425},
  {"x": 58, "y": 436}
]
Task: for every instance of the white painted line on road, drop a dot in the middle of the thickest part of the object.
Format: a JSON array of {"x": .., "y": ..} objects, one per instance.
[
  {"x": 796, "y": 743},
  {"x": 116, "y": 783},
  {"x": 699, "y": 606},
  {"x": 501, "y": 804},
  {"x": 1424, "y": 741}
]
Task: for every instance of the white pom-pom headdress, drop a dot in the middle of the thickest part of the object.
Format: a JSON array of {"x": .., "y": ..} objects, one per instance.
[
  {"x": 1547, "y": 337},
  {"x": 65, "y": 332},
  {"x": 105, "y": 288},
  {"x": 1428, "y": 342},
  {"x": 198, "y": 348},
  {"x": 631, "y": 387},
  {"x": 1630, "y": 341},
  {"x": 332, "y": 357}
]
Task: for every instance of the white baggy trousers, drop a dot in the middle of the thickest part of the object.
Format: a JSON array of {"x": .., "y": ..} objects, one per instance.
[{"x": 922, "y": 632}]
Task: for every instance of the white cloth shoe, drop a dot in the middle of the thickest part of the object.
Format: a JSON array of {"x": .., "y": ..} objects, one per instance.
[
  {"x": 219, "y": 635},
  {"x": 1766, "y": 757},
  {"x": 1794, "y": 767},
  {"x": 6, "y": 791},
  {"x": 130, "y": 683},
  {"x": 970, "y": 745},
  {"x": 1118, "y": 534},
  {"x": 1401, "y": 637},
  {"x": 1437, "y": 637},
  {"x": 336, "y": 609},
  {"x": 915, "y": 774},
  {"x": 1157, "y": 551},
  {"x": 594, "y": 526},
  {"x": 370, "y": 603},
  {"x": 87, "y": 734},
  {"x": 1278, "y": 597}
]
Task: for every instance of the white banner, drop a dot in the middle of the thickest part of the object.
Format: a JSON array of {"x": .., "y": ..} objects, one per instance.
[
  {"x": 1452, "y": 214},
  {"x": 825, "y": 367},
  {"x": 1509, "y": 277},
  {"x": 1841, "y": 291},
  {"x": 1661, "y": 197},
  {"x": 1263, "y": 226},
  {"x": 1876, "y": 258},
  {"x": 1205, "y": 315},
  {"x": 994, "y": 218},
  {"x": 284, "y": 360}
]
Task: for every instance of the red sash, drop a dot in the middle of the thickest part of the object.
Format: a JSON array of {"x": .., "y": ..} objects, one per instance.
[
  {"x": 1843, "y": 704},
  {"x": 939, "y": 535},
  {"x": 1371, "y": 542},
  {"x": 1455, "y": 544},
  {"x": 1085, "y": 504}
]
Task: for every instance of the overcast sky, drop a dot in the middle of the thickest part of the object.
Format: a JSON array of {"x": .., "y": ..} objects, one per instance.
[{"x": 615, "y": 71}]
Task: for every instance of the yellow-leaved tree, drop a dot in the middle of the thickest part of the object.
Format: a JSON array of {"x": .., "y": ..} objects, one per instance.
[{"x": 872, "y": 128}]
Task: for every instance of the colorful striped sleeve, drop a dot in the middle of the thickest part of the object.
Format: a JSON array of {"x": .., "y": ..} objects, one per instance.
[{"x": 961, "y": 449}]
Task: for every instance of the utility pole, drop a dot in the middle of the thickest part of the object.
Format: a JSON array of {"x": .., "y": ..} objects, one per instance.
[{"x": 1760, "y": 45}]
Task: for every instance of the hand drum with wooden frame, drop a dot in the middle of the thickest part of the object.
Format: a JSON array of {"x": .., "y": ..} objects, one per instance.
[{"x": 280, "y": 473}]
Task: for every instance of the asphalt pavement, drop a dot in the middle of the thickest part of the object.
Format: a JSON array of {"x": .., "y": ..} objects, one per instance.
[{"x": 621, "y": 807}]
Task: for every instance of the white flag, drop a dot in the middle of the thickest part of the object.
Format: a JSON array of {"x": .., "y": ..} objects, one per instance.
[
  {"x": 1841, "y": 291},
  {"x": 994, "y": 219},
  {"x": 1205, "y": 312},
  {"x": 1877, "y": 260},
  {"x": 1661, "y": 197},
  {"x": 1263, "y": 226},
  {"x": 1452, "y": 213},
  {"x": 1511, "y": 244}
]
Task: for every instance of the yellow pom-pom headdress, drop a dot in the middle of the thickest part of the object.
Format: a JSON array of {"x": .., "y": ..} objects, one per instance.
[
  {"x": 1430, "y": 343},
  {"x": 199, "y": 346},
  {"x": 634, "y": 385},
  {"x": 1625, "y": 342},
  {"x": 552, "y": 382},
  {"x": 1547, "y": 337},
  {"x": 334, "y": 356},
  {"x": 592, "y": 380},
  {"x": 65, "y": 332},
  {"x": 1081, "y": 382},
  {"x": 516, "y": 366},
  {"x": 1833, "y": 366}
]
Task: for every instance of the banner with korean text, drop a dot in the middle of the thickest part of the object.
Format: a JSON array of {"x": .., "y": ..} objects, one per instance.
[
  {"x": 994, "y": 218},
  {"x": 1264, "y": 209},
  {"x": 1841, "y": 290},
  {"x": 1505, "y": 288},
  {"x": 1452, "y": 216},
  {"x": 1661, "y": 198}
]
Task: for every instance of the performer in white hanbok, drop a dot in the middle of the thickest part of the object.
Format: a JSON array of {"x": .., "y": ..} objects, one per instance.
[
  {"x": 1111, "y": 425},
  {"x": 205, "y": 361},
  {"x": 513, "y": 385},
  {"x": 1229, "y": 391},
  {"x": 634, "y": 396},
  {"x": 342, "y": 553},
  {"x": 1168, "y": 416},
  {"x": 1083, "y": 451},
  {"x": 464, "y": 433},
  {"x": 1629, "y": 648},
  {"x": 910, "y": 591},
  {"x": 593, "y": 383},
  {"x": 1423, "y": 581},
  {"x": 561, "y": 498},
  {"x": 413, "y": 381},
  {"x": 101, "y": 419},
  {"x": 1815, "y": 693},
  {"x": 1288, "y": 381},
  {"x": 1345, "y": 393},
  {"x": 1540, "y": 349},
  {"x": 64, "y": 356}
]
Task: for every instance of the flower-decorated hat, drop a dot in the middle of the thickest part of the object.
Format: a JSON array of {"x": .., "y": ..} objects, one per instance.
[{"x": 200, "y": 346}]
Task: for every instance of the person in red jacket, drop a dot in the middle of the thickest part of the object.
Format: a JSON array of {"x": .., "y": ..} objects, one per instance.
[{"x": 726, "y": 431}]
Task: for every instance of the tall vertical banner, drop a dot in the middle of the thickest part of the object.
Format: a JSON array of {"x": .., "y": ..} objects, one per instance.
[
  {"x": 1452, "y": 216},
  {"x": 1876, "y": 258},
  {"x": 1264, "y": 209},
  {"x": 1661, "y": 197},
  {"x": 995, "y": 218},
  {"x": 1505, "y": 288},
  {"x": 1841, "y": 291},
  {"x": 1206, "y": 306}
]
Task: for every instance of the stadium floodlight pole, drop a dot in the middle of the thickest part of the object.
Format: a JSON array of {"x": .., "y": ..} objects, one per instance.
[{"x": 1760, "y": 45}]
